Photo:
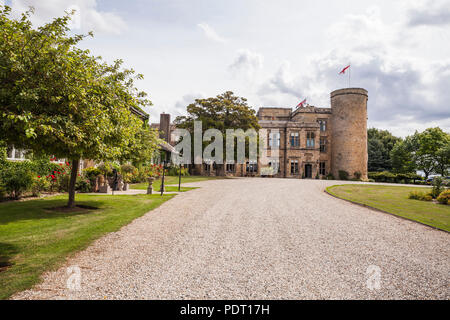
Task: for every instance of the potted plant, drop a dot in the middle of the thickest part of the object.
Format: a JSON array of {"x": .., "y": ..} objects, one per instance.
[
  {"x": 126, "y": 170},
  {"x": 106, "y": 170}
]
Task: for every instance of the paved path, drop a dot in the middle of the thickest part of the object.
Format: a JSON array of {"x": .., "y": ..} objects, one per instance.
[{"x": 259, "y": 239}]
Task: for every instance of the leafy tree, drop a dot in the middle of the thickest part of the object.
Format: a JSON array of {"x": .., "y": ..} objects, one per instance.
[
  {"x": 426, "y": 146},
  {"x": 426, "y": 151},
  {"x": 57, "y": 99},
  {"x": 443, "y": 159},
  {"x": 402, "y": 158},
  {"x": 380, "y": 144},
  {"x": 226, "y": 111}
]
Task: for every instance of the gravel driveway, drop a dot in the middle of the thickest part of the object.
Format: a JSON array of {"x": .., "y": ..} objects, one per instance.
[{"x": 259, "y": 239}]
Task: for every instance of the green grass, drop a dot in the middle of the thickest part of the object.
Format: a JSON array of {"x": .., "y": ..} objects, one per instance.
[
  {"x": 395, "y": 200},
  {"x": 172, "y": 183},
  {"x": 34, "y": 239}
]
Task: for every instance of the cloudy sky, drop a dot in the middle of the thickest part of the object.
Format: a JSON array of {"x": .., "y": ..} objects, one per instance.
[{"x": 276, "y": 53}]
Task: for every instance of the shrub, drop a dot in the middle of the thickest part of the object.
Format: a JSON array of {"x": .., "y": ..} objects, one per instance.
[
  {"x": 127, "y": 168},
  {"x": 40, "y": 184},
  {"x": 106, "y": 168},
  {"x": 83, "y": 185},
  {"x": 437, "y": 187},
  {"x": 384, "y": 176},
  {"x": 2, "y": 193},
  {"x": 418, "y": 195},
  {"x": 343, "y": 175},
  {"x": 444, "y": 197},
  {"x": 17, "y": 180},
  {"x": 42, "y": 166},
  {"x": 330, "y": 176},
  {"x": 62, "y": 182},
  {"x": 370, "y": 180},
  {"x": 92, "y": 173},
  {"x": 357, "y": 175},
  {"x": 175, "y": 171}
]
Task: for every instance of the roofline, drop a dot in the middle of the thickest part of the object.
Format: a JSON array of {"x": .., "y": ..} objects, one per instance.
[{"x": 141, "y": 114}]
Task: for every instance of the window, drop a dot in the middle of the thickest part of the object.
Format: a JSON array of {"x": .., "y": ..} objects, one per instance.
[
  {"x": 274, "y": 139},
  {"x": 310, "y": 136},
  {"x": 252, "y": 167},
  {"x": 323, "y": 144},
  {"x": 322, "y": 168},
  {"x": 323, "y": 125},
  {"x": 295, "y": 140},
  {"x": 275, "y": 165},
  {"x": 294, "y": 166},
  {"x": 15, "y": 154},
  {"x": 230, "y": 167},
  {"x": 206, "y": 167}
]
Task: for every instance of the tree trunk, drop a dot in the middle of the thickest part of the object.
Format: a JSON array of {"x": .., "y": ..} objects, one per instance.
[{"x": 73, "y": 180}]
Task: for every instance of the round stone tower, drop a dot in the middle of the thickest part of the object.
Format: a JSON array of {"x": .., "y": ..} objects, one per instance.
[{"x": 349, "y": 131}]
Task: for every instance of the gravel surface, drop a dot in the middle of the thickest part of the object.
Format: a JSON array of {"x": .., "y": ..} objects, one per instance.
[{"x": 259, "y": 239}]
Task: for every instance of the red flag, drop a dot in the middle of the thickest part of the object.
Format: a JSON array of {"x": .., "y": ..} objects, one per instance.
[
  {"x": 345, "y": 69},
  {"x": 301, "y": 103}
]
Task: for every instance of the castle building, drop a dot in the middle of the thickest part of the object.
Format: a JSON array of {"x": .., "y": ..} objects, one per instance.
[
  {"x": 307, "y": 142},
  {"x": 314, "y": 142}
]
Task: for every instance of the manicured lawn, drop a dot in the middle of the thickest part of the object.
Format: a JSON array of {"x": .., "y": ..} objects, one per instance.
[
  {"x": 172, "y": 183},
  {"x": 395, "y": 200},
  {"x": 34, "y": 239}
]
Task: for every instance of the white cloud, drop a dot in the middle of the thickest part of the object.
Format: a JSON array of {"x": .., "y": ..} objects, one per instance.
[
  {"x": 210, "y": 33},
  {"x": 247, "y": 63},
  {"x": 87, "y": 16},
  {"x": 282, "y": 82},
  {"x": 177, "y": 109},
  {"x": 434, "y": 13},
  {"x": 403, "y": 89}
]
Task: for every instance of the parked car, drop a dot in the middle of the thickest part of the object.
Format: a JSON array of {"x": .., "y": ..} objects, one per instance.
[{"x": 445, "y": 180}]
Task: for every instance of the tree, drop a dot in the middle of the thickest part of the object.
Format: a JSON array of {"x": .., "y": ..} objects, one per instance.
[
  {"x": 226, "y": 111},
  {"x": 402, "y": 158},
  {"x": 443, "y": 160},
  {"x": 380, "y": 144},
  {"x": 426, "y": 151},
  {"x": 57, "y": 99},
  {"x": 426, "y": 146}
]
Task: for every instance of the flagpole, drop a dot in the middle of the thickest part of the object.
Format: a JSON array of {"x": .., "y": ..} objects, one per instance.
[{"x": 349, "y": 71}]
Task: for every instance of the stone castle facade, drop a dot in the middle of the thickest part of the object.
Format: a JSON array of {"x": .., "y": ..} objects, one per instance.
[{"x": 310, "y": 142}]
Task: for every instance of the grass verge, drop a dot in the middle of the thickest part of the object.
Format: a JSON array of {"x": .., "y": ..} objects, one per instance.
[
  {"x": 172, "y": 183},
  {"x": 394, "y": 200},
  {"x": 34, "y": 239}
]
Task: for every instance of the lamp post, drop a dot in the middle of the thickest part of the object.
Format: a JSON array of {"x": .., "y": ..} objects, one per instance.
[
  {"x": 179, "y": 180},
  {"x": 162, "y": 181}
]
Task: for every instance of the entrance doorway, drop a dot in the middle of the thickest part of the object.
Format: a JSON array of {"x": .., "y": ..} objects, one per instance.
[{"x": 308, "y": 171}]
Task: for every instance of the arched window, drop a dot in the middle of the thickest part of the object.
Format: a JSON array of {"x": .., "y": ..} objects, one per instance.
[{"x": 310, "y": 137}]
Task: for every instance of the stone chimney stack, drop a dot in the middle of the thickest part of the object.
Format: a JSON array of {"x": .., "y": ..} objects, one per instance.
[{"x": 164, "y": 127}]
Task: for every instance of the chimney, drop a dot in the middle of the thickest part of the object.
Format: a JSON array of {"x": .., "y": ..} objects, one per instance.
[{"x": 164, "y": 127}]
